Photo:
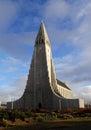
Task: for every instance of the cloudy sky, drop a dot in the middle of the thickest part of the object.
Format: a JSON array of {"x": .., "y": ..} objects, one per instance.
[{"x": 68, "y": 23}]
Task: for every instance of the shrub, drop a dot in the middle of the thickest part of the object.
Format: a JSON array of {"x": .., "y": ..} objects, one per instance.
[
  {"x": 3, "y": 124},
  {"x": 50, "y": 117},
  {"x": 12, "y": 116},
  {"x": 39, "y": 118}
]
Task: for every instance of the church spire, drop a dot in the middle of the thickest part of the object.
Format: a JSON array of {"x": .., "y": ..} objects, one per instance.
[{"x": 42, "y": 35}]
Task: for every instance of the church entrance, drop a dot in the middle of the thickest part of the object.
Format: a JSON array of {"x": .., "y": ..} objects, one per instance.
[{"x": 39, "y": 105}]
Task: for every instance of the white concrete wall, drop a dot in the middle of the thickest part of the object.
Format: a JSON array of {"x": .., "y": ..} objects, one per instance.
[
  {"x": 66, "y": 93},
  {"x": 81, "y": 103},
  {"x": 48, "y": 58}
]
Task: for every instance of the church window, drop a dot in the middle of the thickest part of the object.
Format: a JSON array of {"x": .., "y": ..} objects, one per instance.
[
  {"x": 42, "y": 41},
  {"x": 37, "y": 42}
]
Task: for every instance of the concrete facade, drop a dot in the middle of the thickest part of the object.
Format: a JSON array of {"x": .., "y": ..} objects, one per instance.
[
  {"x": 71, "y": 103},
  {"x": 43, "y": 90}
]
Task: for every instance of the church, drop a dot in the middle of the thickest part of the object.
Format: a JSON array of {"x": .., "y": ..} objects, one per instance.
[{"x": 43, "y": 90}]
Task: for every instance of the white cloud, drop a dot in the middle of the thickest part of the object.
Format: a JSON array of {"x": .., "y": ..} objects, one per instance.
[
  {"x": 11, "y": 69},
  {"x": 11, "y": 60},
  {"x": 11, "y": 64},
  {"x": 8, "y": 12},
  {"x": 12, "y": 43},
  {"x": 73, "y": 68},
  {"x": 17, "y": 38},
  {"x": 5, "y": 96},
  {"x": 18, "y": 86},
  {"x": 14, "y": 61},
  {"x": 84, "y": 93},
  {"x": 56, "y": 9},
  {"x": 74, "y": 72},
  {"x": 10, "y": 39},
  {"x": 64, "y": 63},
  {"x": 78, "y": 69},
  {"x": 14, "y": 90},
  {"x": 82, "y": 35}
]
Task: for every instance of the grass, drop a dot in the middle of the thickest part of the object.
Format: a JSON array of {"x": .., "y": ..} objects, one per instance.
[
  {"x": 45, "y": 120},
  {"x": 70, "y": 124}
]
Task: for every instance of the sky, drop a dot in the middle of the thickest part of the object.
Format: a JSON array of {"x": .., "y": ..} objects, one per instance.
[{"x": 68, "y": 24}]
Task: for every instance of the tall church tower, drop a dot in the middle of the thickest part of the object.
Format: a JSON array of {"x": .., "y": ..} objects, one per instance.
[
  {"x": 43, "y": 90},
  {"x": 41, "y": 83}
]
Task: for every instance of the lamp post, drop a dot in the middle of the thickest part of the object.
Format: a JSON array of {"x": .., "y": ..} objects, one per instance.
[{"x": 12, "y": 104}]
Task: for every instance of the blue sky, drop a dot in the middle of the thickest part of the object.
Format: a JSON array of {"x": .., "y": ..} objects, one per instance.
[{"x": 68, "y": 23}]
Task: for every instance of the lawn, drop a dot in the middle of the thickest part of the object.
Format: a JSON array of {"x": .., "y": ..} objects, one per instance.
[
  {"x": 69, "y": 124},
  {"x": 45, "y": 120}
]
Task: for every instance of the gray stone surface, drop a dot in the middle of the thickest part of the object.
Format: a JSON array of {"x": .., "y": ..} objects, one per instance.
[{"x": 42, "y": 89}]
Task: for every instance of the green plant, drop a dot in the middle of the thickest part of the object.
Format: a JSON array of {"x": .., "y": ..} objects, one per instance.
[
  {"x": 39, "y": 118},
  {"x": 3, "y": 124}
]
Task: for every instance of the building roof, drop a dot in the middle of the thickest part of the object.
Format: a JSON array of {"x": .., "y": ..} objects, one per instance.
[
  {"x": 42, "y": 34},
  {"x": 62, "y": 84}
]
